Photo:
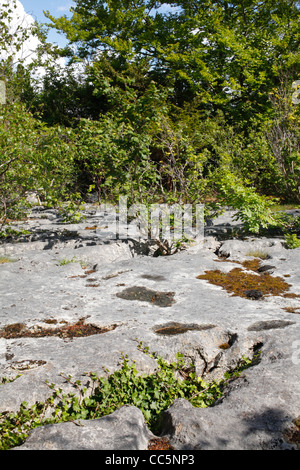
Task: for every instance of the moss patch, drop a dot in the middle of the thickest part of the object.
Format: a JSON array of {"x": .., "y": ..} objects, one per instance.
[
  {"x": 252, "y": 264},
  {"x": 293, "y": 434},
  {"x": 291, "y": 295},
  {"x": 238, "y": 282},
  {"x": 224, "y": 346},
  {"x": 76, "y": 330},
  {"x": 160, "y": 443},
  {"x": 292, "y": 309},
  {"x": 173, "y": 328},
  {"x": 269, "y": 325},
  {"x": 153, "y": 277},
  {"x": 162, "y": 299}
]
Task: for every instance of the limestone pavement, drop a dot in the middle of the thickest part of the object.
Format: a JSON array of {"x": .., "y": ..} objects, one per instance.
[{"x": 64, "y": 273}]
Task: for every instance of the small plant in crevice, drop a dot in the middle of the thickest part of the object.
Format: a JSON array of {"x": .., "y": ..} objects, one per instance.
[
  {"x": 100, "y": 396},
  {"x": 64, "y": 261},
  {"x": 6, "y": 259},
  {"x": 5, "y": 380}
]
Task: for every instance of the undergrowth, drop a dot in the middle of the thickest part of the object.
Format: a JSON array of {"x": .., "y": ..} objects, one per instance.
[
  {"x": 100, "y": 396},
  {"x": 292, "y": 241}
]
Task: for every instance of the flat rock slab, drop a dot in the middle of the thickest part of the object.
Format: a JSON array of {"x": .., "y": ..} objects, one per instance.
[
  {"x": 124, "y": 429},
  {"x": 58, "y": 282}
]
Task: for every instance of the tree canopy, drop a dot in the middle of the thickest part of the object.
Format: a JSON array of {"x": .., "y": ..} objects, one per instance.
[{"x": 229, "y": 55}]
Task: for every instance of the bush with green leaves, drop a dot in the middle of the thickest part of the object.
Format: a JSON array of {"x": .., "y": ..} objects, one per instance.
[
  {"x": 71, "y": 211},
  {"x": 32, "y": 157},
  {"x": 283, "y": 136},
  {"x": 100, "y": 396},
  {"x": 17, "y": 158},
  {"x": 252, "y": 209},
  {"x": 292, "y": 241}
]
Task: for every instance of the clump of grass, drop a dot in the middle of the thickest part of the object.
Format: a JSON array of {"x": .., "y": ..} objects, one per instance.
[
  {"x": 258, "y": 254},
  {"x": 65, "y": 261},
  {"x": 6, "y": 259}
]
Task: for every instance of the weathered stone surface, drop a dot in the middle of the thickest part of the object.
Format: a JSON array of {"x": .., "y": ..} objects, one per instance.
[
  {"x": 124, "y": 429},
  {"x": 257, "y": 412},
  {"x": 239, "y": 249},
  {"x": 63, "y": 274}
]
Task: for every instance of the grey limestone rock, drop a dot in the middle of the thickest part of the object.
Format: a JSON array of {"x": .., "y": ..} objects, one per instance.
[
  {"x": 124, "y": 429},
  {"x": 254, "y": 414},
  {"x": 62, "y": 276}
]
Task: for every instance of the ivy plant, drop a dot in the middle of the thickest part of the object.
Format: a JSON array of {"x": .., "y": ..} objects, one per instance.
[{"x": 100, "y": 396}]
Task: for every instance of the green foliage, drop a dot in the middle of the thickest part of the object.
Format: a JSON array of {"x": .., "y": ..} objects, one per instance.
[
  {"x": 229, "y": 54},
  {"x": 292, "y": 241},
  {"x": 64, "y": 98},
  {"x": 17, "y": 158},
  {"x": 15, "y": 426},
  {"x": 115, "y": 150},
  {"x": 15, "y": 66},
  {"x": 6, "y": 380},
  {"x": 287, "y": 223},
  {"x": 10, "y": 233},
  {"x": 253, "y": 210},
  {"x": 152, "y": 394},
  {"x": 32, "y": 157},
  {"x": 65, "y": 261},
  {"x": 283, "y": 136},
  {"x": 71, "y": 211},
  {"x": 100, "y": 155}
]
